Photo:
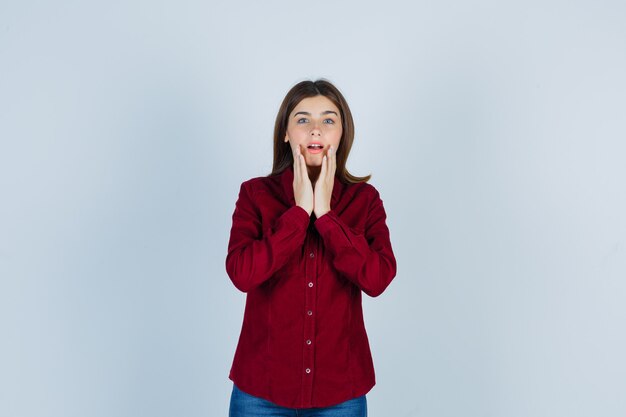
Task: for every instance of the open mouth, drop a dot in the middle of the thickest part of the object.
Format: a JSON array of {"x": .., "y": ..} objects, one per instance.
[{"x": 315, "y": 147}]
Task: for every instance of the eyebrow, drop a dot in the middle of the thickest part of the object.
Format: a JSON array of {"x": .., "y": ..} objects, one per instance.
[{"x": 321, "y": 114}]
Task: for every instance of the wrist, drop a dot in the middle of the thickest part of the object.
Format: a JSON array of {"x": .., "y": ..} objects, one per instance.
[
  {"x": 320, "y": 213},
  {"x": 308, "y": 211}
]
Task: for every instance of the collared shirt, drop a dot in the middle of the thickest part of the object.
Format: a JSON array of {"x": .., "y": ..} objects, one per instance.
[{"x": 303, "y": 341}]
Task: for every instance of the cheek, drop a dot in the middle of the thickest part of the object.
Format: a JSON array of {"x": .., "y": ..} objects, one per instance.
[
  {"x": 297, "y": 136},
  {"x": 336, "y": 138},
  {"x": 293, "y": 144}
]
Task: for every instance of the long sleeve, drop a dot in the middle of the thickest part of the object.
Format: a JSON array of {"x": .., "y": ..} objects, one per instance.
[
  {"x": 254, "y": 254},
  {"x": 366, "y": 258}
]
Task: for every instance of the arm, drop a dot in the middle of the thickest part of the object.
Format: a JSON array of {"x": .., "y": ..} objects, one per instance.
[
  {"x": 254, "y": 255},
  {"x": 365, "y": 259}
]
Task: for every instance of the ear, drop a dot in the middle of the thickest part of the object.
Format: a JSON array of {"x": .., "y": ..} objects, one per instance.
[{"x": 286, "y": 138}]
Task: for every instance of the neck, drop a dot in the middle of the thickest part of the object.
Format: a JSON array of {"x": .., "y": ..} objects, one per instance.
[{"x": 314, "y": 173}]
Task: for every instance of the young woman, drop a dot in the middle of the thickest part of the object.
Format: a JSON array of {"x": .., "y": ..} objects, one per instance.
[{"x": 305, "y": 242}]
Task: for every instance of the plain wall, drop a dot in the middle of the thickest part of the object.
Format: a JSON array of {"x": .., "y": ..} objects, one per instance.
[{"x": 494, "y": 130}]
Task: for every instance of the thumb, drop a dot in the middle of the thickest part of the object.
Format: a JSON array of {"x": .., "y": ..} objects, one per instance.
[{"x": 324, "y": 168}]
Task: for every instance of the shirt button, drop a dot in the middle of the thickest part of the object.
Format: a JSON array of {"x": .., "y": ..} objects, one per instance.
[
  {"x": 310, "y": 313},
  {"x": 308, "y": 342},
  {"x": 310, "y": 284},
  {"x": 311, "y": 254},
  {"x": 307, "y": 370}
]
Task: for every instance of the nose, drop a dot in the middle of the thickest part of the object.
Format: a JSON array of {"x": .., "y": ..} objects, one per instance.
[{"x": 315, "y": 131}]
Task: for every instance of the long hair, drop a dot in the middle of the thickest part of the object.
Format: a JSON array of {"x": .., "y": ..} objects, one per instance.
[{"x": 283, "y": 156}]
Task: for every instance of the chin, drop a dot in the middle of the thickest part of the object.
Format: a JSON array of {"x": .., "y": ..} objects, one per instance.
[{"x": 314, "y": 163}]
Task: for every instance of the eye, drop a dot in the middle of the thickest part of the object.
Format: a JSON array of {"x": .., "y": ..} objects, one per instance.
[
  {"x": 300, "y": 119},
  {"x": 331, "y": 121}
]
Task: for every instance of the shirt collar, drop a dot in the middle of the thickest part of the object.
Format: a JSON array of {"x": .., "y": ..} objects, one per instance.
[{"x": 286, "y": 178}]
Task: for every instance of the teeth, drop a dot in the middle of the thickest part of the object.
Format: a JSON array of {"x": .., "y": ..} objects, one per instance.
[{"x": 315, "y": 145}]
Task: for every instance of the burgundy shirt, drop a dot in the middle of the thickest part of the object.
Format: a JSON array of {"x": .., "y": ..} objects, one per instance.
[{"x": 303, "y": 341}]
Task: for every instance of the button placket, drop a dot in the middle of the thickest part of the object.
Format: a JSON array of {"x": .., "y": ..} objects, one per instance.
[{"x": 309, "y": 317}]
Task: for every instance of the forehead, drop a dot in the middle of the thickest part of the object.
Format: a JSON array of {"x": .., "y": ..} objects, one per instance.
[{"x": 315, "y": 105}]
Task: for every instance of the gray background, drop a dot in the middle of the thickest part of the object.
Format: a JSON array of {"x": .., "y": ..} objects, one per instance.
[{"x": 494, "y": 130}]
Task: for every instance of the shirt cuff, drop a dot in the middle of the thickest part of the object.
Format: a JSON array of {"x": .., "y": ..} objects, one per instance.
[
  {"x": 298, "y": 216},
  {"x": 326, "y": 223}
]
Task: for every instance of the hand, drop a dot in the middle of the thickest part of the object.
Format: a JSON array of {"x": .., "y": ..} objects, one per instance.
[
  {"x": 302, "y": 188},
  {"x": 324, "y": 185}
]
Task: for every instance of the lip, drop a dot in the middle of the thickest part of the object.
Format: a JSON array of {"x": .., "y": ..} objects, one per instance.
[{"x": 315, "y": 151}]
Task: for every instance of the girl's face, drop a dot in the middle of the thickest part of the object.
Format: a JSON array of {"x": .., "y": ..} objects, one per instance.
[{"x": 315, "y": 120}]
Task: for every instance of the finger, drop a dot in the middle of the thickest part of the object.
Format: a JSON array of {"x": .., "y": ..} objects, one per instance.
[
  {"x": 303, "y": 173},
  {"x": 326, "y": 171},
  {"x": 333, "y": 164},
  {"x": 296, "y": 164}
]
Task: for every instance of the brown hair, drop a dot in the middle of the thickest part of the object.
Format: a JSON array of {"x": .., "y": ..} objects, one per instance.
[{"x": 283, "y": 157}]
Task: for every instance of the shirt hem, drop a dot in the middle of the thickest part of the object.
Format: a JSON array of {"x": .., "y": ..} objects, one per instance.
[{"x": 363, "y": 390}]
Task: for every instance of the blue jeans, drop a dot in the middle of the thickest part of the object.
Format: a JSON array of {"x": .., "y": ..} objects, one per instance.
[{"x": 246, "y": 405}]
